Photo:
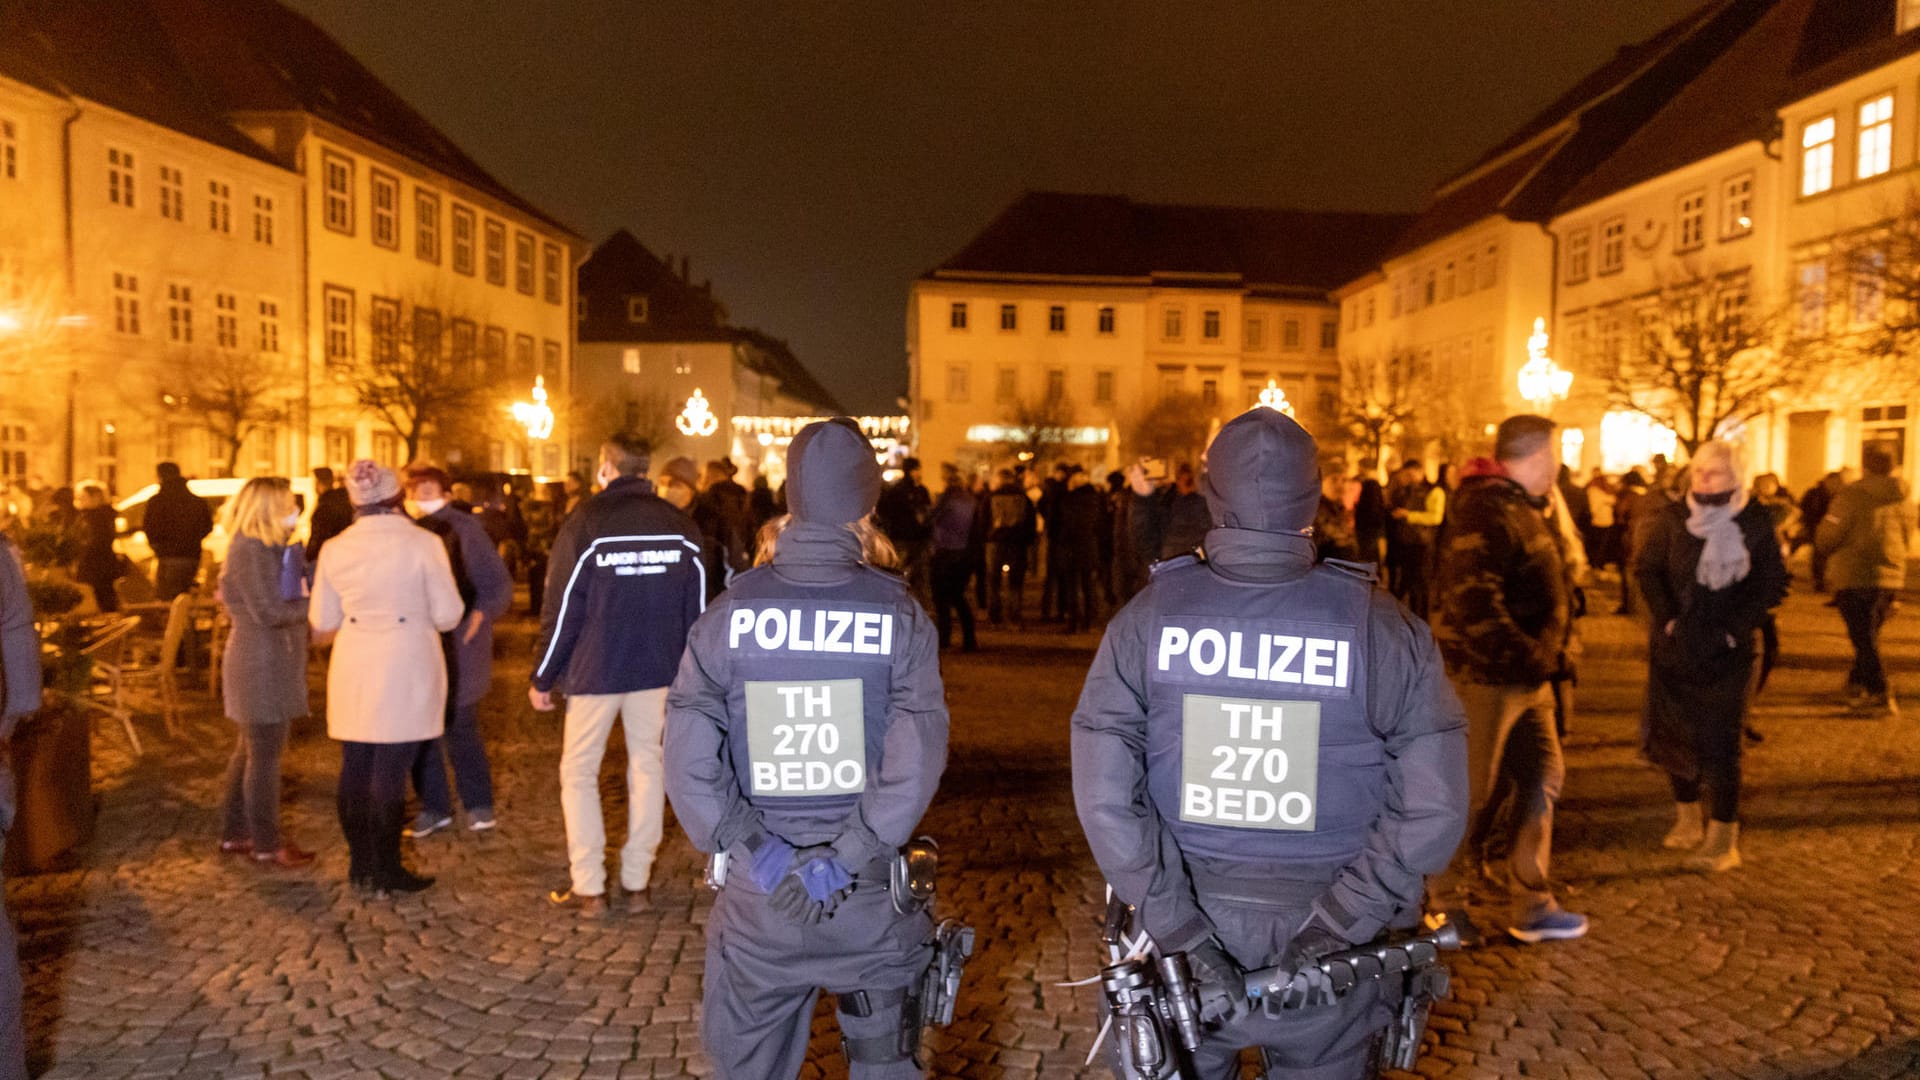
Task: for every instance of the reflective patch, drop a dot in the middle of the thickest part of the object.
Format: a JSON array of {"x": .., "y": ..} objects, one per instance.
[
  {"x": 1248, "y": 763},
  {"x": 806, "y": 738}
]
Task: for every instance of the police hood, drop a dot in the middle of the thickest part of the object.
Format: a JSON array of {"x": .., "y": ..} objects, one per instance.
[
  {"x": 1263, "y": 474},
  {"x": 832, "y": 477}
]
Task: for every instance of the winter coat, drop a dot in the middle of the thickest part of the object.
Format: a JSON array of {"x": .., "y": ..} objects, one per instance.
[
  {"x": 94, "y": 560},
  {"x": 19, "y": 643},
  {"x": 953, "y": 519},
  {"x": 1865, "y": 535},
  {"x": 485, "y": 587},
  {"x": 332, "y": 513},
  {"x": 1011, "y": 517},
  {"x": 1502, "y": 607},
  {"x": 385, "y": 584},
  {"x": 1699, "y": 675},
  {"x": 1167, "y": 523},
  {"x": 263, "y": 677},
  {"x": 177, "y": 521}
]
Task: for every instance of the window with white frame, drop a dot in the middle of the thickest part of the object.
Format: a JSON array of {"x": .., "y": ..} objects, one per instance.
[
  {"x": 263, "y": 219},
  {"x": 126, "y": 303},
  {"x": 1210, "y": 325},
  {"x": 173, "y": 193},
  {"x": 1816, "y": 156},
  {"x": 1103, "y": 388},
  {"x": 1009, "y": 317},
  {"x": 496, "y": 252},
  {"x": 1810, "y": 283},
  {"x": 220, "y": 207},
  {"x": 1579, "y": 255},
  {"x": 384, "y": 323},
  {"x": 226, "y": 320},
  {"x": 462, "y": 240},
  {"x": 1731, "y": 304},
  {"x": 1869, "y": 270},
  {"x": 9, "y": 150},
  {"x": 180, "y": 313},
  {"x": 336, "y": 172},
  {"x": 1613, "y": 245},
  {"x": 1256, "y": 333},
  {"x": 386, "y": 210},
  {"x": 523, "y": 263},
  {"x": 959, "y": 380},
  {"x": 1490, "y": 266},
  {"x": 269, "y": 339},
  {"x": 1209, "y": 392},
  {"x": 493, "y": 354},
  {"x": 426, "y": 226},
  {"x": 1106, "y": 320},
  {"x": 426, "y": 338},
  {"x": 1692, "y": 231},
  {"x": 1057, "y": 319},
  {"x": 957, "y": 315},
  {"x": 523, "y": 358},
  {"x": 1170, "y": 324},
  {"x": 1006, "y": 384},
  {"x": 1736, "y": 206},
  {"x": 1875, "y": 147},
  {"x": 336, "y": 306},
  {"x": 550, "y": 360},
  {"x": 463, "y": 350},
  {"x": 550, "y": 272},
  {"x": 1056, "y": 384},
  {"x": 120, "y": 177},
  {"x": 1329, "y": 333},
  {"x": 1290, "y": 334}
]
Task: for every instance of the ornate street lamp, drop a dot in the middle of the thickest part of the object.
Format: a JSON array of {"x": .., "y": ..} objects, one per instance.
[
  {"x": 697, "y": 418},
  {"x": 1275, "y": 398},
  {"x": 536, "y": 415},
  {"x": 1542, "y": 381}
]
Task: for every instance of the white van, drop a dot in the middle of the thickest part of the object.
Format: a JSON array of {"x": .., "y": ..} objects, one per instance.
[{"x": 130, "y": 538}]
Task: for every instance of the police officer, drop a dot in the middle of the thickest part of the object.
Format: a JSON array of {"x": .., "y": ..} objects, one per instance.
[
  {"x": 1267, "y": 758},
  {"x": 806, "y": 732}
]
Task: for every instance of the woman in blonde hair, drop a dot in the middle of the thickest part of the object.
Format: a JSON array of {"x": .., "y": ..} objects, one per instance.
[{"x": 264, "y": 673}]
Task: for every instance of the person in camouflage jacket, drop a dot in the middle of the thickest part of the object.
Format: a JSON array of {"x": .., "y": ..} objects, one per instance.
[{"x": 1503, "y": 614}]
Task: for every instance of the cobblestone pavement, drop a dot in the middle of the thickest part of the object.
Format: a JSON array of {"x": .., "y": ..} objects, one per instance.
[{"x": 158, "y": 958}]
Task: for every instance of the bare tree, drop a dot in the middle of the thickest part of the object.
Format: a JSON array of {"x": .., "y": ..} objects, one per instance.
[
  {"x": 420, "y": 377},
  {"x": 232, "y": 393},
  {"x": 648, "y": 415},
  {"x": 1379, "y": 401},
  {"x": 1877, "y": 332},
  {"x": 1174, "y": 428},
  {"x": 1701, "y": 359},
  {"x": 1040, "y": 425}
]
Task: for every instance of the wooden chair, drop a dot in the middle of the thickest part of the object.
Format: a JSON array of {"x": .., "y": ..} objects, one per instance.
[
  {"x": 108, "y": 641},
  {"x": 131, "y": 663}
]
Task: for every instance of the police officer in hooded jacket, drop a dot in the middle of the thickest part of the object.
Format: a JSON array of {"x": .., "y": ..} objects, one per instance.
[
  {"x": 806, "y": 733},
  {"x": 1268, "y": 759}
]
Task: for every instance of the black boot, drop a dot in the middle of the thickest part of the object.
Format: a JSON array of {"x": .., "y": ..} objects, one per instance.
[
  {"x": 353, "y": 825},
  {"x": 390, "y": 874}
]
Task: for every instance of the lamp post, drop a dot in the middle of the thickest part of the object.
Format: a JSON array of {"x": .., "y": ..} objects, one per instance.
[{"x": 1543, "y": 382}]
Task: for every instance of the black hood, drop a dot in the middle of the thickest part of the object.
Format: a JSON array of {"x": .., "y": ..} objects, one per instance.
[
  {"x": 832, "y": 477},
  {"x": 1263, "y": 474}
]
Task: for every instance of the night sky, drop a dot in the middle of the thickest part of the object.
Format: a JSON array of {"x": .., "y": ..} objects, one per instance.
[{"x": 813, "y": 158}]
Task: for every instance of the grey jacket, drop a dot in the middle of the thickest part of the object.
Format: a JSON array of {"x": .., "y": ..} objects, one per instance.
[
  {"x": 1866, "y": 535},
  {"x": 19, "y": 665},
  {"x": 263, "y": 676},
  {"x": 485, "y": 587}
]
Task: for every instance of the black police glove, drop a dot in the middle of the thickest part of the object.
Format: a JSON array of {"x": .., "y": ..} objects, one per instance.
[
  {"x": 1309, "y": 985},
  {"x": 1220, "y": 981},
  {"x": 790, "y": 897}
]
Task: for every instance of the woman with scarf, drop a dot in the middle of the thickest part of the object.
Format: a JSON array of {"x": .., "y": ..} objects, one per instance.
[{"x": 1710, "y": 570}]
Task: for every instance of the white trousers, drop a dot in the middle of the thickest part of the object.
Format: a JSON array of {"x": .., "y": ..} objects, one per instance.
[{"x": 643, "y": 715}]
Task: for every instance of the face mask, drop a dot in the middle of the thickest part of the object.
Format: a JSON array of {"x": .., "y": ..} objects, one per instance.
[
  {"x": 1717, "y": 499},
  {"x": 423, "y": 507},
  {"x": 291, "y": 520}
]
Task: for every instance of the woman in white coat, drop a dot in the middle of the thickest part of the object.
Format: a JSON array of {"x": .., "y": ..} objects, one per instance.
[{"x": 385, "y": 588}]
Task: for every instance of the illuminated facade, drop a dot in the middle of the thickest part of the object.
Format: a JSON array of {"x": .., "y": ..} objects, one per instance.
[{"x": 1087, "y": 310}]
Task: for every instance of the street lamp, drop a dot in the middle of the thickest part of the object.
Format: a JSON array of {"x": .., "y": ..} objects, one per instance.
[
  {"x": 1273, "y": 397},
  {"x": 1542, "y": 381},
  {"x": 536, "y": 415}
]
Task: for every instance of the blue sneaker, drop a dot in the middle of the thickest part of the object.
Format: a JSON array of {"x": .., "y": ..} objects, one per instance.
[{"x": 1551, "y": 923}]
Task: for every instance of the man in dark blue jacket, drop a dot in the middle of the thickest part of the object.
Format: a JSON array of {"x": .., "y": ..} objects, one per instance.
[
  {"x": 624, "y": 584},
  {"x": 1267, "y": 758},
  {"x": 486, "y": 589},
  {"x": 177, "y": 522},
  {"x": 806, "y": 734},
  {"x": 19, "y": 697}
]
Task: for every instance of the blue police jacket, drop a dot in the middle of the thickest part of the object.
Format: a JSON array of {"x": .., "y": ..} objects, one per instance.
[
  {"x": 808, "y": 706},
  {"x": 624, "y": 585},
  {"x": 1259, "y": 726}
]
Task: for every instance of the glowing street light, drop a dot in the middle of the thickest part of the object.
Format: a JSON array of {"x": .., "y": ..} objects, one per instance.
[
  {"x": 536, "y": 415},
  {"x": 1542, "y": 381},
  {"x": 1275, "y": 398},
  {"x": 697, "y": 418}
]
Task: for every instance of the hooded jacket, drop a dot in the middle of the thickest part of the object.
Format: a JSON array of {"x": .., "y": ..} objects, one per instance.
[
  {"x": 1866, "y": 534},
  {"x": 1262, "y": 486},
  {"x": 177, "y": 521},
  {"x": 1502, "y": 608}
]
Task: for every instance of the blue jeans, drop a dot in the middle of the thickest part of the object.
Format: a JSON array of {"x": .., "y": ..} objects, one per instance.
[{"x": 461, "y": 747}]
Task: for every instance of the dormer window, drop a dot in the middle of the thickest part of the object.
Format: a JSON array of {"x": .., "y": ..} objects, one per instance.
[{"x": 636, "y": 309}]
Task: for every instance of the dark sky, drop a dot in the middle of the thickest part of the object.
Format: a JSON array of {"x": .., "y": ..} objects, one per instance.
[{"x": 812, "y": 158}]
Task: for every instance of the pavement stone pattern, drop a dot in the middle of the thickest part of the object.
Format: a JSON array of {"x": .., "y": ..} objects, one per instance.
[{"x": 157, "y": 957}]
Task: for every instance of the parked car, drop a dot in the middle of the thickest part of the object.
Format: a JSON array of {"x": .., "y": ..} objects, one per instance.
[{"x": 130, "y": 517}]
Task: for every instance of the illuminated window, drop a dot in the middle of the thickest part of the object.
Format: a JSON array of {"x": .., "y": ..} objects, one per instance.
[
  {"x": 426, "y": 226},
  {"x": 1210, "y": 325},
  {"x": 958, "y": 382},
  {"x": 1869, "y": 286},
  {"x": 173, "y": 194},
  {"x": 496, "y": 253},
  {"x": 9, "y": 150},
  {"x": 1736, "y": 206},
  {"x": 1106, "y": 320},
  {"x": 226, "y": 320},
  {"x": 1693, "y": 221},
  {"x": 550, "y": 273},
  {"x": 120, "y": 178},
  {"x": 1290, "y": 334},
  {"x": 462, "y": 240},
  {"x": 269, "y": 326},
  {"x": 1909, "y": 15},
  {"x": 957, "y": 315},
  {"x": 219, "y": 207},
  {"x": 1256, "y": 333},
  {"x": 1876, "y": 137},
  {"x": 337, "y": 305},
  {"x": 523, "y": 263},
  {"x": 1579, "y": 255},
  {"x": 180, "y": 313},
  {"x": 1170, "y": 324},
  {"x": 1613, "y": 245},
  {"x": 1329, "y": 333},
  {"x": 1103, "y": 388},
  {"x": 386, "y": 210},
  {"x": 1629, "y": 440},
  {"x": 630, "y": 361},
  {"x": 1056, "y": 319},
  {"x": 337, "y": 183},
  {"x": 1810, "y": 279},
  {"x": 263, "y": 219},
  {"x": 1009, "y": 317},
  {"x": 1816, "y": 156},
  {"x": 126, "y": 304}
]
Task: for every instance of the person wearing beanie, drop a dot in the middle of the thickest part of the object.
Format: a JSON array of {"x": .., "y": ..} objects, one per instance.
[
  {"x": 1267, "y": 758},
  {"x": 793, "y": 683},
  {"x": 624, "y": 583},
  {"x": 383, "y": 593},
  {"x": 1503, "y": 614}
]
